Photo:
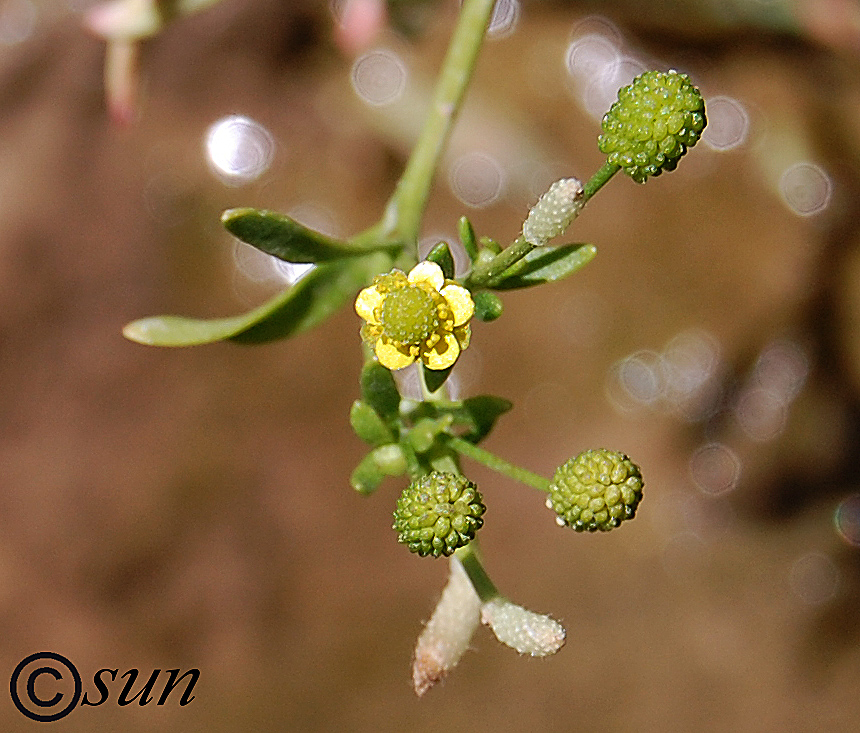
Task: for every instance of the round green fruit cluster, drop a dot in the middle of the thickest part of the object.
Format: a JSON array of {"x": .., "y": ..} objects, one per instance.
[
  {"x": 653, "y": 122},
  {"x": 597, "y": 490},
  {"x": 437, "y": 513}
]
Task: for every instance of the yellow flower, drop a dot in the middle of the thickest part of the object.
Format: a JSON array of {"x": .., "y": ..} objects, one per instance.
[{"x": 416, "y": 316}]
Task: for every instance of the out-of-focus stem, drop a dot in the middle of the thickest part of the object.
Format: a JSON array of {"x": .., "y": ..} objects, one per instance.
[{"x": 405, "y": 210}]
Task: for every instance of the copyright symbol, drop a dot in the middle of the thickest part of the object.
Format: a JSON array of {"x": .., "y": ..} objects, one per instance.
[{"x": 48, "y": 677}]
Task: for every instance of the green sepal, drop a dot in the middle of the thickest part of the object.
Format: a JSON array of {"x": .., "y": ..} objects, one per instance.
[
  {"x": 435, "y": 378},
  {"x": 298, "y": 308},
  {"x": 386, "y": 460},
  {"x": 467, "y": 237},
  {"x": 279, "y": 235},
  {"x": 488, "y": 306},
  {"x": 545, "y": 264},
  {"x": 480, "y": 414},
  {"x": 441, "y": 255},
  {"x": 368, "y": 425},
  {"x": 379, "y": 390}
]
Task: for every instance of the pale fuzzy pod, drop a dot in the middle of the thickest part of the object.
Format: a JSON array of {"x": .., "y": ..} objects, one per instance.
[
  {"x": 448, "y": 632},
  {"x": 528, "y": 632},
  {"x": 554, "y": 211}
]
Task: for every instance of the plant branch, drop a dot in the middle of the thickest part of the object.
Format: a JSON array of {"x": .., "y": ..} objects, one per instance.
[
  {"x": 595, "y": 183},
  {"x": 481, "y": 582},
  {"x": 405, "y": 209},
  {"x": 491, "y": 460}
]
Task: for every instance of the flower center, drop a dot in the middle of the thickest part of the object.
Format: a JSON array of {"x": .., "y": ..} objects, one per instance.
[{"x": 409, "y": 315}]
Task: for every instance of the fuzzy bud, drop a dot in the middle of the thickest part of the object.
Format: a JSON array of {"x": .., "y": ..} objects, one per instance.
[{"x": 553, "y": 212}]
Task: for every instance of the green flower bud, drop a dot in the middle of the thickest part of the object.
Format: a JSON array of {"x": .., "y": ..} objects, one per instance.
[
  {"x": 553, "y": 212},
  {"x": 656, "y": 118},
  {"x": 488, "y": 307},
  {"x": 438, "y": 513},
  {"x": 598, "y": 489}
]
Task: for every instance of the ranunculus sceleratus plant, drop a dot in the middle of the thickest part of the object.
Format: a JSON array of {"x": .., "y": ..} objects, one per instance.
[{"x": 416, "y": 314}]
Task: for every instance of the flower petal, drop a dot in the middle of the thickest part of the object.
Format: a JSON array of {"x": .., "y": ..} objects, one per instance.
[
  {"x": 463, "y": 334},
  {"x": 368, "y": 300},
  {"x": 443, "y": 354},
  {"x": 427, "y": 272},
  {"x": 391, "y": 357},
  {"x": 460, "y": 300}
]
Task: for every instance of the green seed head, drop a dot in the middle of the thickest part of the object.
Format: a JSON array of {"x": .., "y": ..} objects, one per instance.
[
  {"x": 656, "y": 118},
  {"x": 409, "y": 315},
  {"x": 438, "y": 513},
  {"x": 597, "y": 490}
]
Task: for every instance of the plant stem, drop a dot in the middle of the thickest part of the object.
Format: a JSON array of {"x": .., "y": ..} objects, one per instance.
[
  {"x": 481, "y": 582},
  {"x": 405, "y": 209},
  {"x": 596, "y": 182},
  {"x": 484, "y": 275},
  {"x": 491, "y": 460}
]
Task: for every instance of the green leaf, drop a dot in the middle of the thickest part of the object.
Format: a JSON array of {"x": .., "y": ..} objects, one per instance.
[
  {"x": 379, "y": 390},
  {"x": 481, "y": 413},
  {"x": 441, "y": 255},
  {"x": 366, "y": 477},
  {"x": 467, "y": 237},
  {"x": 545, "y": 264},
  {"x": 298, "y": 308},
  {"x": 386, "y": 460},
  {"x": 279, "y": 235},
  {"x": 368, "y": 425}
]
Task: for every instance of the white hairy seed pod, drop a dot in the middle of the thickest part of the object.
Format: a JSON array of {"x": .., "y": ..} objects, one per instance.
[
  {"x": 448, "y": 632},
  {"x": 528, "y": 632},
  {"x": 554, "y": 211}
]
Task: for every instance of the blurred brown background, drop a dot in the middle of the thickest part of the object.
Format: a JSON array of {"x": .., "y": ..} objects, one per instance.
[{"x": 190, "y": 508}]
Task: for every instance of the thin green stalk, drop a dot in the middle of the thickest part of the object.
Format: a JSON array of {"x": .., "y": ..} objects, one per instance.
[
  {"x": 597, "y": 181},
  {"x": 491, "y": 460},
  {"x": 405, "y": 210},
  {"x": 481, "y": 582},
  {"x": 484, "y": 275}
]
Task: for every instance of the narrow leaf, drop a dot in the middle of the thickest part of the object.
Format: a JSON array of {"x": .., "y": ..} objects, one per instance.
[
  {"x": 298, "y": 308},
  {"x": 279, "y": 235},
  {"x": 545, "y": 264},
  {"x": 467, "y": 237}
]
